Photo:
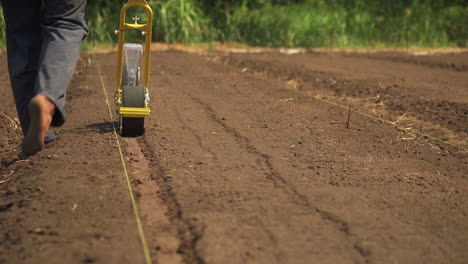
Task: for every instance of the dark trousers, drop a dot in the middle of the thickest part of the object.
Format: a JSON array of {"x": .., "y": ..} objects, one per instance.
[{"x": 43, "y": 45}]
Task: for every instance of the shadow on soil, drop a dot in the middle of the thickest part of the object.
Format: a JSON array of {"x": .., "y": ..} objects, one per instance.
[{"x": 102, "y": 128}]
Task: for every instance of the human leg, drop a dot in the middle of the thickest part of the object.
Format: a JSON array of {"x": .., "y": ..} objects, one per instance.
[
  {"x": 63, "y": 29},
  {"x": 24, "y": 40}
]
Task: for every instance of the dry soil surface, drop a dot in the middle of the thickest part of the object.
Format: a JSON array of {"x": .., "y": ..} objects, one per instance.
[{"x": 246, "y": 160}]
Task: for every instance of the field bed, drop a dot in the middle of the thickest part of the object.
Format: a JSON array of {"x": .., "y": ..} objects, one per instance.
[{"x": 247, "y": 159}]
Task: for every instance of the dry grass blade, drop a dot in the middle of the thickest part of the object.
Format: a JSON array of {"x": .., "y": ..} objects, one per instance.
[
  {"x": 349, "y": 117},
  {"x": 6, "y": 177},
  {"x": 12, "y": 122},
  {"x": 401, "y": 117}
]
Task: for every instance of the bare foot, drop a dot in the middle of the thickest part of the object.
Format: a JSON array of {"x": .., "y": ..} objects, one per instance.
[{"x": 41, "y": 111}]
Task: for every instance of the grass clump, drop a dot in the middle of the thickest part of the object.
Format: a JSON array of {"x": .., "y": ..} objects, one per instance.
[
  {"x": 179, "y": 21},
  {"x": 319, "y": 24},
  {"x": 2, "y": 31}
]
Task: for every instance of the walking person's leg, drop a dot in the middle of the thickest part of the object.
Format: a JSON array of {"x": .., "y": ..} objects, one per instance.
[
  {"x": 24, "y": 40},
  {"x": 63, "y": 28}
]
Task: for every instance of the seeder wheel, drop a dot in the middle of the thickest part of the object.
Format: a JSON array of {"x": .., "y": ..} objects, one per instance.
[
  {"x": 132, "y": 96},
  {"x": 131, "y": 127}
]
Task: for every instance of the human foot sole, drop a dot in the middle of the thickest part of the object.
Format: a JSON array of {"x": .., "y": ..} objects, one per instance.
[{"x": 40, "y": 111}]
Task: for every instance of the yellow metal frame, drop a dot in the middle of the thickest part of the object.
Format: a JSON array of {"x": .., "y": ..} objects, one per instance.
[
  {"x": 134, "y": 112},
  {"x": 147, "y": 29}
]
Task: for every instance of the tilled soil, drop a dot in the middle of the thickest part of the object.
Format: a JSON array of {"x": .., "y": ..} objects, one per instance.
[{"x": 241, "y": 163}]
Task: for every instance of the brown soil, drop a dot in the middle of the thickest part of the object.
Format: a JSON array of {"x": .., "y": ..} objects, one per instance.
[
  {"x": 241, "y": 164},
  {"x": 432, "y": 89}
]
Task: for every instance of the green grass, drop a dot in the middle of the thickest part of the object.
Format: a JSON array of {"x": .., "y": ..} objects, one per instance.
[
  {"x": 308, "y": 25},
  {"x": 305, "y": 23},
  {"x": 2, "y": 31},
  {"x": 179, "y": 21}
]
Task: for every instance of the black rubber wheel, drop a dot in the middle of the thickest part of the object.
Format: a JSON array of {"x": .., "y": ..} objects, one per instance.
[
  {"x": 132, "y": 96},
  {"x": 131, "y": 127}
]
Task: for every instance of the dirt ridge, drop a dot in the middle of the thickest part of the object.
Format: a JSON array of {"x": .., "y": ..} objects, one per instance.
[
  {"x": 430, "y": 61},
  {"x": 445, "y": 118},
  {"x": 279, "y": 181},
  {"x": 189, "y": 233}
]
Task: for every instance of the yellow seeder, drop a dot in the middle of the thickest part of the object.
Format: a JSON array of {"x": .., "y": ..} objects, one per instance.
[{"x": 132, "y": 89}]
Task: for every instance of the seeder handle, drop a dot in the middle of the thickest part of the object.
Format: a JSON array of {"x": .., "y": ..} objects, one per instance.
[{"x": 145, "y": 28}]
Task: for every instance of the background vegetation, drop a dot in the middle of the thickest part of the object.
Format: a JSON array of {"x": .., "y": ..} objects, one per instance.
[{"x": 294, "y": 23}]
